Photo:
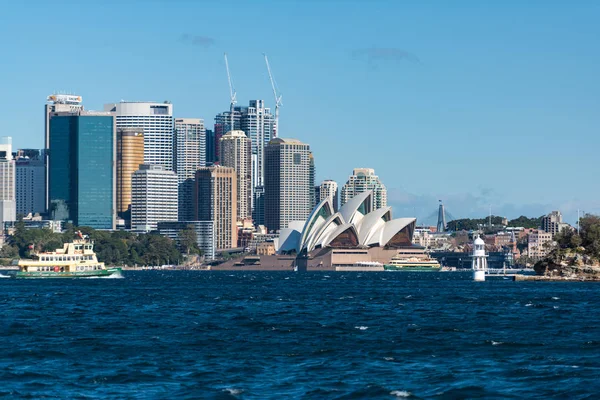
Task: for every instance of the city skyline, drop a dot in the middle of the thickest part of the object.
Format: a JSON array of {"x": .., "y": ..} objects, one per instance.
[{"x": 468, "y": 125}]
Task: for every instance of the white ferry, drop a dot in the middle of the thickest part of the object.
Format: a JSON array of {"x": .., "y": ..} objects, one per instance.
[{"x": 75, "y": 260}]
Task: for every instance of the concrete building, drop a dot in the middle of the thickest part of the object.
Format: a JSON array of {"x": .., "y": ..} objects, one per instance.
[
  {"x": 190, "y": 154},
  {"x": 82, "y": 168},
  {"x": 215, "y": 199},
  {"x": 8, "y": 205},
  {"x": 287, "y": 183},
  {"x": 539, "y": 243},
  {"x": 30, "y": 182},
  {"x": 236, "y": 153},
  {"x": 205, "y": 234},
  {"x": 130, "y": 155},
  {"x": 157, "y": 121},
  {"x": 553, "y": 223},
  {"x": 362, "y": 180},
  {"x": 153, "y": 197},
  {"x": 329, "y": 189}
]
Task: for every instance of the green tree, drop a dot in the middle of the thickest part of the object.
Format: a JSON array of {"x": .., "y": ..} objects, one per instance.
[{"x": 188, "y": 240}]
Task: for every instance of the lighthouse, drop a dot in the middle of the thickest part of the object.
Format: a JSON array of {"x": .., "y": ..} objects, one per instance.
[{"x": 479, "y": 263}]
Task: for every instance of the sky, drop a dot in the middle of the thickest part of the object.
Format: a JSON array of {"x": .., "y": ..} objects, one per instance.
[{"x": 480, "y": 104}]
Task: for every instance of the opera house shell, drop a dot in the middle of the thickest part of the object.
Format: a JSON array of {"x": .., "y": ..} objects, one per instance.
[{"x": 355, "y": 226}]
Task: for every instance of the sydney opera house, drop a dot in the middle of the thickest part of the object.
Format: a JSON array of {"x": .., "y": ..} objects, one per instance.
[{"x": 356, "y": 235}]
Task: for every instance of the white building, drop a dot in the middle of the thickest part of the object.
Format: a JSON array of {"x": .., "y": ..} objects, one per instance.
[
  {"x": 539, "y": 244},
  {"x": 157, "y": 121},
  {"x": 553, "y": 223},
  {"x": 190, "y": 154},
  {"x": 287, "y": 183},
  {"x": 30, "y": 185},
  {"x": 236, "y": 153},
  {"x": 205, "y": 234},
  {"x": 8, "y": 206},
  {"x": 153, "y": 197},
  {"x": 329, "y": 189},
  {"x": 362, "y": 180}
]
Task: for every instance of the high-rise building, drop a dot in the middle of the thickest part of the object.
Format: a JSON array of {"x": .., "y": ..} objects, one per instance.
[
  {"x": 257, "y": 122},
  {"x": 190, "y": 154},
  {"x": 236, "y": 153},
  {"x": 211, "y": 147},
  {"x": 287, "y": 183},
  {"x": 311, "y": 180},
  {"x": 157, "y": 121},
  {"x": 130, "y": 155},
  {"x": 215, "y": 199},
  {"x": 553, "y": 223},
  {"x": 153, "y": 197},
  {"x": 30, "y": 182},
  {"x": 223, "y": 125},
  {"x": 329, "y": 189},
  {"x": 56, "y": 103},
  {"x": 361, "y": 180},
  {"x": 82, "y": 168},
  {"x": 8, "y": 207}
]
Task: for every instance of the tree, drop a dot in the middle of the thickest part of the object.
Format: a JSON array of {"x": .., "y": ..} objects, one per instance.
[
  {"x": 188, "y": 240},
  {"x": 525, "y": 222}
]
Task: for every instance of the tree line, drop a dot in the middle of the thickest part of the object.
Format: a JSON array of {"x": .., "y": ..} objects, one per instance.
[
  {"x": 472, "y": 224},
  {"x": 112, "y": 248}
]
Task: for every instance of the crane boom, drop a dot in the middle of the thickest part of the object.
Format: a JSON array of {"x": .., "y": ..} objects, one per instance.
[
  {"x": 276, "y": 95},
  {"x": 232, "y": 94}
]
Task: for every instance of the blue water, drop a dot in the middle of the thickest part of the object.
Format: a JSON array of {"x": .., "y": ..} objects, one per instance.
[{"x": 223, "y": 335}]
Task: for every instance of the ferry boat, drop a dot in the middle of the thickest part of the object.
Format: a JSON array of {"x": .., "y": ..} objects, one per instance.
[
  {"x": 75, "y": 260},
  {"x": 416, "y": 264}
]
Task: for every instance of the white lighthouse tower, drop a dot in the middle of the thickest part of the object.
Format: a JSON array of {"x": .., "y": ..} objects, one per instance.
[{"x": 479, "y": 263}]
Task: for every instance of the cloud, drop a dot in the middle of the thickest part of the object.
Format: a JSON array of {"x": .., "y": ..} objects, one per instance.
[
  {"x": 197, "y": 40},
  {"x": 385, "y": 54}
]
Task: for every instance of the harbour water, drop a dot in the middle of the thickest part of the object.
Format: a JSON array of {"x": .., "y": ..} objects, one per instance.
[{"x": 227, "y": 335}]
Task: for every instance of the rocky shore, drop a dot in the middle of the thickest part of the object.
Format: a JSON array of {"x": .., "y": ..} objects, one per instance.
[{"x": 569, "y": 265}]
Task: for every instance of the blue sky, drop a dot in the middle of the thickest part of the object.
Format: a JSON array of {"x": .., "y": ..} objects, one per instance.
[{"x": 476, "y": 103}]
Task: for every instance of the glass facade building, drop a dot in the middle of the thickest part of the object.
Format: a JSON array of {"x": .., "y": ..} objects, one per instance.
[{"x": 82, "y": 169}]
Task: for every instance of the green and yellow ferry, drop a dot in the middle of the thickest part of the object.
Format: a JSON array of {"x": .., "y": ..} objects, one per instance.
[
  {"x": 75, "y": 260},
  {"x": 417, "y": 263}
]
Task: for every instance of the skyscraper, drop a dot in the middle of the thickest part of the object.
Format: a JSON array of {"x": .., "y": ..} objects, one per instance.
[
  {"x": 361, "y": 180},
  {"x": 329, "y": 189},
  {"x": 287, "y": 182},
  {"x": 236, "y": 153},
  {"x": 311, "y": 180},
  {"x": 82, "y": 168},
  {"x": 30, "y": 182},
  {"x": 257, "y": 122},
  {"x": 157, "y": 121},
  {"x": 215, "y": 199},
  {"x": 153, "y": 197},
  {"x": 8, "y": 207},
  {"x": 130, "y": 155},
  {"x": 211, "y": 157},
  {"x": 55, "y": 103},
  {"x": 190, "y": 154}
]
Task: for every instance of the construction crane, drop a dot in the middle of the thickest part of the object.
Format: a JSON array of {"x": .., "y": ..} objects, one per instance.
[
  {"x": 232, "y": 95},
  {"x": 277, "y": 96}
]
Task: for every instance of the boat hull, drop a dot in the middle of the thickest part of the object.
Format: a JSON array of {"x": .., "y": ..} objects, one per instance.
[
  {"x": 411, "y": 268},
  {"x": 103, "y": 273}
]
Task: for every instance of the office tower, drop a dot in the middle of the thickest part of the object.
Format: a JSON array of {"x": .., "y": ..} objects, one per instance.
[
  {"x": 329, "y": 188},
  {"x": 56, "y": 103},
  {"x": 82, "y": 168},
  {"x": 361, "y": 180},
  {"x": 8, "y": 207},
  {"x": 157, "y": 121},
  {"x": 153, "y": 197},
  {"x": 223, "y": 125},
  {"x": 211, "y": 145},
  {"x": 215, "y": 199},
  {"x": 236, "y": 153},
  {"x": 190, "y": 154},
  {"x": 30, "y": 182},
  {"x": 130, "y": 155},
  {"x": 311, "y": 180},
  {"x": 287, "y": 183}
]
